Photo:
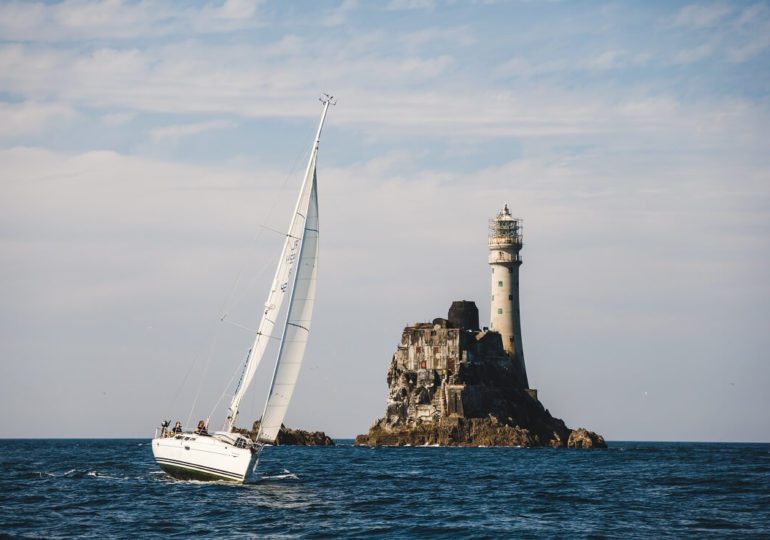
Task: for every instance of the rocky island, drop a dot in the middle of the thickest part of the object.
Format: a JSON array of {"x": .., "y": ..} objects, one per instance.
[
  {"x": 452, "y": 383},
  {"x": 288, "y": 437}
]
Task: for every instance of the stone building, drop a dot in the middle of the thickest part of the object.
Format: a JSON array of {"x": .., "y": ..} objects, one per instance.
[{"x": 436, "y": 360}]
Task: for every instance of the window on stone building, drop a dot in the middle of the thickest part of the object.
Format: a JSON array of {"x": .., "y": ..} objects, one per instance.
[
  {"x": 510, "y": 297},
  {"x": 499, "y": 311},
  {"x": 499, "y": 283}
]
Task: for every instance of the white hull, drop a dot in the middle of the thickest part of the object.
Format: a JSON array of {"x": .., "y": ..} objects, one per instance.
[{"x": 189, "y": 456}]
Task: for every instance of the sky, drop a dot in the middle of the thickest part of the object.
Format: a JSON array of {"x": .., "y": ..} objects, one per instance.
[{"x": 149, "y": 152}]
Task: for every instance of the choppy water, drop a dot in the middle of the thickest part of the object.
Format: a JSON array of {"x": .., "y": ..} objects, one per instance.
[{"x": 109, "y": 488}]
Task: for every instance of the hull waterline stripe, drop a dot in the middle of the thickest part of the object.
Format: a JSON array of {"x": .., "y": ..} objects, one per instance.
[
  {"x": 199, "y": 467},
  {"x": 183, "y": 473}
]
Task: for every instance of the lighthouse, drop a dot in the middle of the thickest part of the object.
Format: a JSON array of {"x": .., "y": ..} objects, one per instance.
[{"x": 505, "y": 241}]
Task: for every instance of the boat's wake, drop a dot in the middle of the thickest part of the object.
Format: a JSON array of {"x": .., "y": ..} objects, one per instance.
[
  {"x": 74, "y": 474},
  {"x": 94, "y": 474},
  {"x": 286, "y": 475}
]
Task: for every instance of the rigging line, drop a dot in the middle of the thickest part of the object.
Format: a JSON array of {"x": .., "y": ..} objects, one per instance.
[
  {"x": 230, "y": 382},
  {"x": 228, "y": 303},
  {"x": 224, "y": 319},
  {"x": 205, "y": 372},
  {"x": 276, "y": 231},
  {"x": 181, "y": 385},
  {"x": 196, "y": 357},
  {"x": 250, "y": 330}
]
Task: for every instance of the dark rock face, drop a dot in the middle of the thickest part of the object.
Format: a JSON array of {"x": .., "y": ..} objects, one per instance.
[
  {"x": 455, "y": 387},
  {"x": 298, "y": 437}
]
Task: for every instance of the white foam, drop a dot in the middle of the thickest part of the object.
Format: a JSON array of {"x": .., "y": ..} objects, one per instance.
[{"x": 287, "y": 475}]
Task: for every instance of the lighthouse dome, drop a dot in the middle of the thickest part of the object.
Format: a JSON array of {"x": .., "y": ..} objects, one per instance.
[{"x": 504, "y": 214}]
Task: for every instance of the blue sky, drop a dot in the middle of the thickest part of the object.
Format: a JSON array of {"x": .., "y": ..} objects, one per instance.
[{"x": 144, "y": 145}]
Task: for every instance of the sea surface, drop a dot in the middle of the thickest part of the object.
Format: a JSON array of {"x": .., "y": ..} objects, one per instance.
[{"x": 112, "y": 488}]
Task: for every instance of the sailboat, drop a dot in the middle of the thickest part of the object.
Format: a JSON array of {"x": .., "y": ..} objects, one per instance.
[{"x": 227, "y": 454}]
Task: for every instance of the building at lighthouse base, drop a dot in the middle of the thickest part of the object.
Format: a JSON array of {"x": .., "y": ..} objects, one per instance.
[{"x": 452, "y": 384}]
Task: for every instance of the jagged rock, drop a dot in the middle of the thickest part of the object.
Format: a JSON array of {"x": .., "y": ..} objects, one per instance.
[
  {"x": 288, "y": 437},
  {"x": 458, "y": 387},
  {"x": 582, "y": 438}
]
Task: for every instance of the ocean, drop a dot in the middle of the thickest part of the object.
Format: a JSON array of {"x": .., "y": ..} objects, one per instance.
[{"x": 112, "y": 488}]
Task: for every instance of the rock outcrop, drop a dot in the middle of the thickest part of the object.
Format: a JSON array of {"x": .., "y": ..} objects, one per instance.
[
  {"x": 298, "y": 437},
  {"x": 582, "y": 438},
  {"x": 453, "y": 386}
]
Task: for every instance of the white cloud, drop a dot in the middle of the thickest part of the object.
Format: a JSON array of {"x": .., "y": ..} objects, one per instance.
[
  {"x": 425, "y": 68},
  {"x": 702, "y": 15},
  {"x": 608, "y": 60},
  {"x": 117, "y": 118},
  {"x": 239, "y": 9},
  {"x": 339, "y": 15},
  {"x": 694, "y": 54},
  {"x": 654, "y": 109},
  {"x": 627, "y": 180},
  {"x": 176, "y": 132},
  {"x": 398, "y": 5},
  {"x": 751, "y": 34},
  {"x": 523, "y": 68},
  {"x": 750, "y": 48},
  {"x": 456, "y": 35},
  {"x": 71, "y": 20},
  {"x": 619, "y": 239},
  {"x": 31, "y": 118},
  {"x": 752, "y": 14}
]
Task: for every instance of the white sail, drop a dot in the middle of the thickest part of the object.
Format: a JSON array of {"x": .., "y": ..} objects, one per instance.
[
  {"x": 229, "y": 455},
  {"x": 296, "y": 329},
  {"x": 281, "y": 281}
]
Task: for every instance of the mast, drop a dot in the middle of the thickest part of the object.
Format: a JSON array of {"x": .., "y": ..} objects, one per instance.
[{"x": 291, "y": 250}]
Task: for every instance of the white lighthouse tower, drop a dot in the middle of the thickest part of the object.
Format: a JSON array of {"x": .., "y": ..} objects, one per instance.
[{"x": 505, "y": 242}]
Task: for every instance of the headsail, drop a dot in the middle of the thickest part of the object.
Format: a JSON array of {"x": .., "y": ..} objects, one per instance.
[
  {"x": 296, "y": 329},
  {"x": 283, "y": 274}
]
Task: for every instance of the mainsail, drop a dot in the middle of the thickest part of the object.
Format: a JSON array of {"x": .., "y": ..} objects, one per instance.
[
  {"x": 282, "y": 281},
  {"x": 296, "y": 329}
]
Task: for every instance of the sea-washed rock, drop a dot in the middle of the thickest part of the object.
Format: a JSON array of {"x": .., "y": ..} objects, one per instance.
[
  {"x": 452, "y": 386},
  {"x": 288, "y": 437},
  {"x": 582, "y": 438}
]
